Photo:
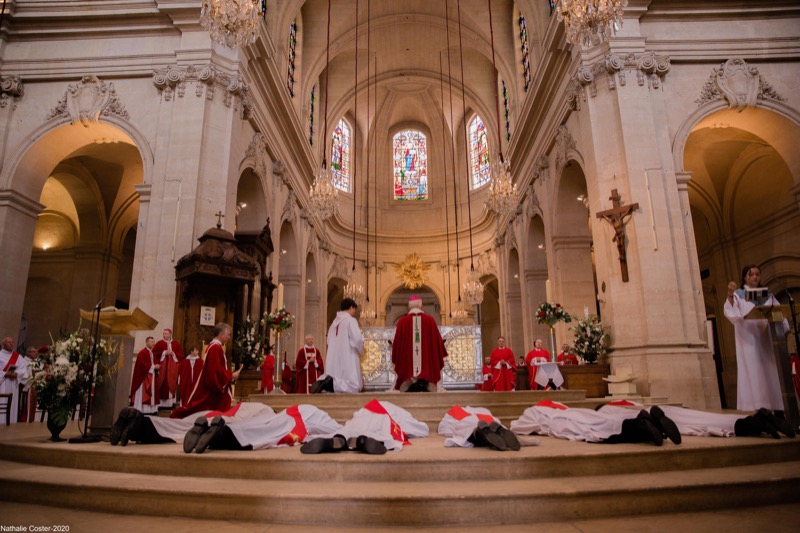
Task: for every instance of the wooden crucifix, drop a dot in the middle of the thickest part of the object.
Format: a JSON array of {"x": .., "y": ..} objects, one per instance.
[{"x": 617, "y": 216}]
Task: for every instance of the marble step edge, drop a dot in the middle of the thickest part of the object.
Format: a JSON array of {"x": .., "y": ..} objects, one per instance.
[
  {"x": 403, "y": 504},
  {"x": 447, "y": 464}
]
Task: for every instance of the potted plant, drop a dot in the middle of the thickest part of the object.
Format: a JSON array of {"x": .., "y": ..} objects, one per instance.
[{"x": 590, "y": 338}]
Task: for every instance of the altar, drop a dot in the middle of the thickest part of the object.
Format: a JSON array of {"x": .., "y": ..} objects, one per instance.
[{"x": 462, "y": 366}]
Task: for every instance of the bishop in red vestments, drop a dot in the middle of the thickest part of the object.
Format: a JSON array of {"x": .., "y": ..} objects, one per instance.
[
  {"x": 169, "y": 353},
  {"x": 188, "y": 374},
  {"x": 535, "y": 356},
  {"x": 213, "y": 390},
  {"x": 504, "y": 367},
  {"x": 144, "y": 395},
  {"x": 418, "y": 349},
  {"x": 309, "y": 366}
]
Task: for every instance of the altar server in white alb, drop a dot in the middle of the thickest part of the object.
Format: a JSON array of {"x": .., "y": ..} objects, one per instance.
[
  {"x": 757, "y": 381},
  {"x": 13, "y": 373},
  {"x": 345, "y": 343}
]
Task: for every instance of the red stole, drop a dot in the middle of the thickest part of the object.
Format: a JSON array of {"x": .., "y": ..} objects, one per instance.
[{"x": 12, "y": 361}]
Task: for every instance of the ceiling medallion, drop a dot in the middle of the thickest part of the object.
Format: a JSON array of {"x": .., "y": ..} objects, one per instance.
[{"x": 412, "y": 271}]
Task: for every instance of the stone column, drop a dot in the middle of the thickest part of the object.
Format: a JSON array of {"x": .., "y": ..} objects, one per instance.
[{"x": 18, "y": 215}]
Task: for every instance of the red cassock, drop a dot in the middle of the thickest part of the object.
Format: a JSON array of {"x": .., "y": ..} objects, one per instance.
[
  {"x": 433, "y": 350},
  {"x": 567, "y": 359},
  {"x": 142, "y": 375},
  {"x": 167, "y": 381},
  {"x": 213, "y": 390},
  {"x": 306, "y": 377},
  {"x": 188, "y": 375},
  {"x": 267, "y": 374},
  {"x": 503, "y": 378},
  {"x": 795, "y": 364},
  {"x": 533, "y": 357},
  {"x": 486, "y": 386},
  {"x": 287, "y": 377}
]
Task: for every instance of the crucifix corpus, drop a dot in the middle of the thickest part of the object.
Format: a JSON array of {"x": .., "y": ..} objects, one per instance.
[{"x": 617, "y": 216}]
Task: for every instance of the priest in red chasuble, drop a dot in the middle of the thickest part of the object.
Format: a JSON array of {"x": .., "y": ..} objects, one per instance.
[
  {"x": 144, "y": 395},
  {"x": 536, "y": 356},
  {"x": 309, "y": 366},
  {"x": 189, "y": 373},
  {"x": 418, "y": 350},
  {"x": 504, "y": 367},
  {"x": 169, "y": 353}
]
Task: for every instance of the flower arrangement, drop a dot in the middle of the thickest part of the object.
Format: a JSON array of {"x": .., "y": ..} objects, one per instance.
[
  {"x": 550, "y": 314},
  {"x": 590, "y": 338},
  {"x": 279, "y": 320},
  {"x": 249, "y": 343},
  {"x": 61, "y": 374}
]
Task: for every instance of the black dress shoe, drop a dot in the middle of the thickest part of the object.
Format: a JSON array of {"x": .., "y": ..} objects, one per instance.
[
  {"x": 512, "y": 443},
  {"x": 323, "y": 384},
  {"x": 208, "y": 436},
  {"x": 129, "y": 432},
  {"x": 484, "y": 437},
  {"x": 335, "y": 444},
  {"x": 648, "y": 429},
  {"x": 764, "y": 424},
  {"x": 666, "y": 424},
  {"x": 193, "y": 435},
  {"x": 122, "y": 421},
  {"x": 366, "y": 445},
  {"x": 781, "y": 424}
]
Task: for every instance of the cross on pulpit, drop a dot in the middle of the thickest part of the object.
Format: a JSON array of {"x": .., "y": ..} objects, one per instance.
[
  {"x": 617, "y": 216},
  {"x": 219, "y": 216}
]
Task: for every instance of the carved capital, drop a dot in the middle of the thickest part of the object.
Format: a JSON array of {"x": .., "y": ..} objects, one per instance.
[
  {"x": 540, "y": 169},
  {"x": 257, "y": 151},
  {"x": 739, "y": 84},
  {"x": 649, "y": 69},
  {"x": 10, "y": 89},
  {"x": 564, "y": 144},
  {"x": 85, "y": 101},
  {"x": 171, "y": 81}
]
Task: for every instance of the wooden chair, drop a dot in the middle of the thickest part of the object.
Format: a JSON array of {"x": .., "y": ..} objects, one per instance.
[{"x": 5, "y": 406}]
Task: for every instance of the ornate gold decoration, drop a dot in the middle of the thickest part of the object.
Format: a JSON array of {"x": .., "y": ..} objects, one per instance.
[{"x": 412, "y": 271}]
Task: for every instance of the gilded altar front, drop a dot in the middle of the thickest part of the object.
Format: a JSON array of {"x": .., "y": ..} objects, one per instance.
[{"x": 462, "y": 367}]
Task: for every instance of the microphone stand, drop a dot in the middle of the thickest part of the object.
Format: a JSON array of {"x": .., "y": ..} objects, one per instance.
[{"x": 95, "y": 329}]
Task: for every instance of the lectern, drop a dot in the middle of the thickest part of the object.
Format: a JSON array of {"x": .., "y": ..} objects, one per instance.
[
  {"x": 775, "y": 315},
  {"x": 112, "y": 393}
]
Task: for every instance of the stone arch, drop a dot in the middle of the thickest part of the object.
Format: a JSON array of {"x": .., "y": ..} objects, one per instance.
[
  {"x": 515, "y": 319},
  {"x": 535, "y": 273},
  {"x": 251, "y": 205},
  {"x": 490, "y": 314},
  {"x": 397, "y": 302}
]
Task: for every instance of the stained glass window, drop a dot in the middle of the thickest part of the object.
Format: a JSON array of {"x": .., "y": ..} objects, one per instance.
[
  {"x": 311, "y": 116},
  {"x": 264, "y": 9},
  {"x": 553, "y": 5},
  {"x": 292, "y": 56},
  {"x": 506, "y": 107},
  {"x": 479, "y": 153},
  {"x": 340, "y": 156},
  {"x": 526, "y": 60},
  {"x": 410, "y": 154}
]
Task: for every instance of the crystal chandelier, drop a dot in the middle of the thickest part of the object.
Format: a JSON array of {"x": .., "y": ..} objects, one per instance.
[
  {"x": 473, "y": 289},
  {"x": 460, "y": 316},
  {"x": 231, "y": 23},
  {"x": 323, "y": 194},
  {"x": 502, "y": 190},
  {"x": 590, "y": 20},
  {"x": 368, "y": 315},
  {"x": 355, "y": 291}
]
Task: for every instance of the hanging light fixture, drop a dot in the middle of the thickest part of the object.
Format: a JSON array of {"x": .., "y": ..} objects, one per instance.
[
  {"x": 232, "y": 23},
  {"x": 473, "y": 288},
  {"x": 590, "y": 21},
  {"x": 355, "y": 290},
  {"x": 323, "y": 193},
  {"x": 369, "y": 316},
  {"x": 503, "y": 195},
  {"x": 459, "y": 316}
]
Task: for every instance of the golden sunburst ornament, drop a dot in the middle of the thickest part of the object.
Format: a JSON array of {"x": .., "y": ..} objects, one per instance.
[{"x": 412, "y": 271}]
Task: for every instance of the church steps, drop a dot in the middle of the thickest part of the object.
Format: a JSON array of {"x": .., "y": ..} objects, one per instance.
[
  {"x": 411, "y": 503},
  {"x": 431, "y": 461}
]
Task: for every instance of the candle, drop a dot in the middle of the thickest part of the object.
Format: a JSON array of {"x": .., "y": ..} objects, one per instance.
[
  {"x": 547, "y": 292},
  {"x": 585, "y": 312},
  {"x": 280, "y": 295}
]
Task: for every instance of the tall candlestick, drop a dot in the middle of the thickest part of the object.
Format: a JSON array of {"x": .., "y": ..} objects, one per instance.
[
  {"x": 280, "y": 295},
  {"x": 548, "y": 294}
]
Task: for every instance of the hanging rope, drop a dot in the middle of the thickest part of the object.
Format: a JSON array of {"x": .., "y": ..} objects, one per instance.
[
  {"x": 453, "y": 151},
  {"x": 496, "y": 93},
  {"x": 354, "y": 152},
  {"x": 466, "y": 139},
  {"x": 327, "y": 90}
]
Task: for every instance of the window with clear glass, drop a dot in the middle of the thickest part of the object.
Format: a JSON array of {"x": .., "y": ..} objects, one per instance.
[
  {"x": 410, "y": 163},
  {"x": 479, "y": 153},
  {"x": 340, "y": 156}
]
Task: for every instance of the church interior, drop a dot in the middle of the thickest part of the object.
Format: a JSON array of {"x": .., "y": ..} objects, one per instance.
[{"x": 485, "y": 155}]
